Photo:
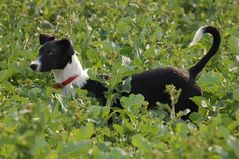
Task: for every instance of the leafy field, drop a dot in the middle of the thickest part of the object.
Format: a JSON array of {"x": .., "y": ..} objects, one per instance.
[{"x": 37, "y": 122}]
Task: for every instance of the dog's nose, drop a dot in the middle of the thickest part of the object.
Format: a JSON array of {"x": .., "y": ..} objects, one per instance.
[{"x": 33, "y": 66}]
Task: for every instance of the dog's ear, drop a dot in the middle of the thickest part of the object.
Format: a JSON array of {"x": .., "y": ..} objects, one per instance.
[
  {"x": 45, "y": 37},
  {"x": 67, "y": 46}
]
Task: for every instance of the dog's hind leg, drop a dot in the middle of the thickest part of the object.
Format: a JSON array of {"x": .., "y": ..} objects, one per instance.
[{"x": 186, "y": 104}]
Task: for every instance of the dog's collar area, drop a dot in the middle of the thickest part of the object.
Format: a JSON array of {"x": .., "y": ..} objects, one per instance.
[{"x": 66, "y": 82}]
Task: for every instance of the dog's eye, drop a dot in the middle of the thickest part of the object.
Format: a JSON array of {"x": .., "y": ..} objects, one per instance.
[{"x": 50, "y": 52}]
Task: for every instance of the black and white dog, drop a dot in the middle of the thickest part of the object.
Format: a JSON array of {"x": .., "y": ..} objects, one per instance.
[{"x": 59, "y": 57}]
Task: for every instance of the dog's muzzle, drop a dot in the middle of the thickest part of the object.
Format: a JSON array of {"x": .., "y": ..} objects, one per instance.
[
  {"x": 36, "y": 65},
  {"x": 33, "y": 66}
]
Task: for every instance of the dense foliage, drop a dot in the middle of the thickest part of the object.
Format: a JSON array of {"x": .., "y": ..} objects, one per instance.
[{"x": 37, "y": 122}]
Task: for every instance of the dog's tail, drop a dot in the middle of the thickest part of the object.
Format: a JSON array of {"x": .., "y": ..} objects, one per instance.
[{"x": 197, "y": 68}]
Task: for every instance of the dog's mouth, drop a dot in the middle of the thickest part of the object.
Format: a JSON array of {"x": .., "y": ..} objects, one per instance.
[{"x": 36, "y": 67}]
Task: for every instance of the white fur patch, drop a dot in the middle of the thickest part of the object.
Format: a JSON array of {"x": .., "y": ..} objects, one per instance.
[
  {"x": 197, "y": 36},
  {"x": 71, "y": 69},
  {"x": 38, "y": 63}
]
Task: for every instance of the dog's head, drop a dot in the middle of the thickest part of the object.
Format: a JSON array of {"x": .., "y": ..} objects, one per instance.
[{"x": 53, "y": 54}]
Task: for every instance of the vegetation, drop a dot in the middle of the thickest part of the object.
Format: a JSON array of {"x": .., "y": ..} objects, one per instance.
[{"x": 37, "y": 122}]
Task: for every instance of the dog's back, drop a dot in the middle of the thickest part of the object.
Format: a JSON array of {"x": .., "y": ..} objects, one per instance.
[{"x": 151, "y": 84}]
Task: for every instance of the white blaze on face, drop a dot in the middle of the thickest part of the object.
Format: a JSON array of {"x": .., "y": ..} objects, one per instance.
[{"x": 37, "y": 62}]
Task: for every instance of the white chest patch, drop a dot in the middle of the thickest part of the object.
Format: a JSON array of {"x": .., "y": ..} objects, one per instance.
[{"x": 71, "y": 69}]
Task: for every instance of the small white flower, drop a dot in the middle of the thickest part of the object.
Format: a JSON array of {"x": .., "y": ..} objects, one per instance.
[
  {"x": 125, "y": 60},
  {"x": 237, "y": 58}
]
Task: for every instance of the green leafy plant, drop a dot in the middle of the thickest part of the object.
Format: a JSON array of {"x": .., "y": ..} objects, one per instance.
[{"x": 37, "y": 122}]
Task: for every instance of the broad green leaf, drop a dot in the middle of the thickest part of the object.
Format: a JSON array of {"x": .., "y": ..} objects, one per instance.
[
  {"x": 5, "y": 74},
  {"x": 119, "y": 129},
  {"x": 41, "y": 149},
  {"x": 118, "y": 153},
  {"x": 211, "y": 79},
  {"x": 17, "y": 140},
  {"x": 219, "y": 150},
  {"x": 236, "y": 94},
  {"x": 82, "y": 133},
  {"x": 124, "y": 25},
  {"x": 74, "y": 149},
  {"x": 237, "y": 114},
  {"x": 140, "y": 142},
  {"x": 234, "y": 144},
  {"x": 196, "y": 117},
  {"x": 150, "y": 53},
  {"x": 116, "y": 76},
  {"x": 132, "y": 103}
]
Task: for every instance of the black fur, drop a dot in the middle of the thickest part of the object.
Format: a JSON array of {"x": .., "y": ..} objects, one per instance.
[
  {"x": 196, "y": 69},
  {"x": 151, "y": 84},
  {"x": 97, "y": 89},
  {"x": 43, "y": 38},
  {"x": 58, "y": 52}
]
